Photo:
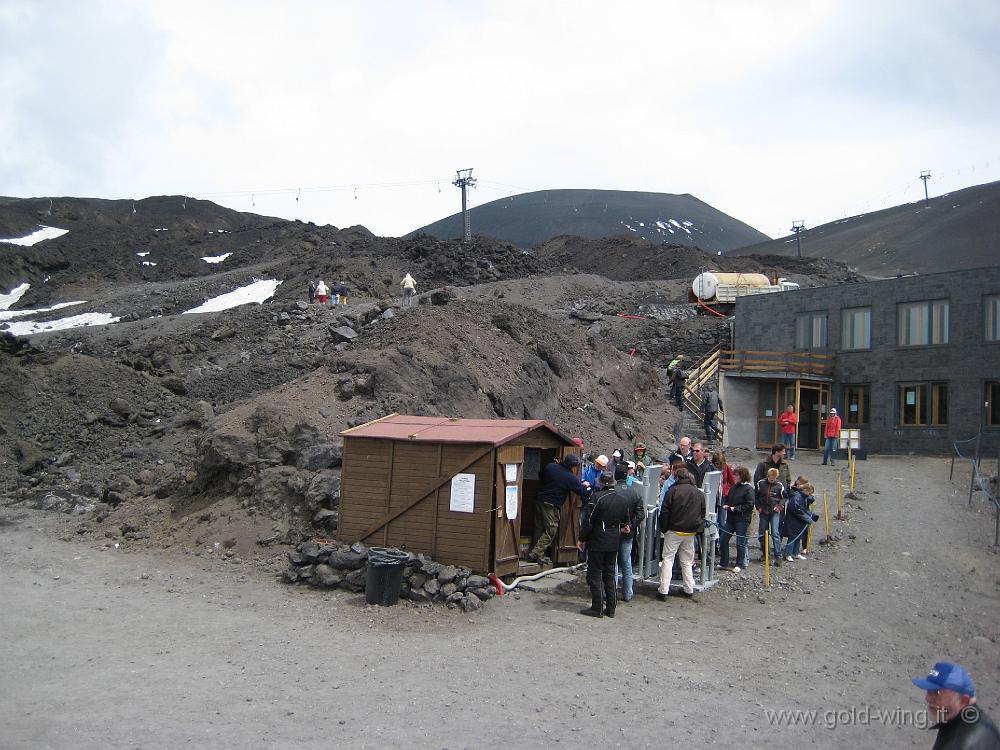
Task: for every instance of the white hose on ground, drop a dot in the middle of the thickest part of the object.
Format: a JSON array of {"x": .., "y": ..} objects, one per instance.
[{"x": 533, "y": 577}]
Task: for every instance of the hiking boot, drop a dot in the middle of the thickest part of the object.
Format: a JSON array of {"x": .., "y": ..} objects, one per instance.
[
  {"x": 690, "y": 597},
  {"x": 591, "y": 612},
  {"x": 661, "y": 597},
  {"x": 609, "y": 613},
  {"x": 536, "y": 558}
]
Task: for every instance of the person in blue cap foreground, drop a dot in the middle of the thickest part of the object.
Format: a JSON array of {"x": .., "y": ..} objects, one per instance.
[{"x": 951, "y": 701}]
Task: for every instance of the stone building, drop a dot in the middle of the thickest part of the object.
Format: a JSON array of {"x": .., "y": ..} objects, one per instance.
[{"x": 912, "y": 362}]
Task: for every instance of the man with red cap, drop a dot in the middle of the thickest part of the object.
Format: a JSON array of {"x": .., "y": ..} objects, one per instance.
[{"x": 951, "y": 700}]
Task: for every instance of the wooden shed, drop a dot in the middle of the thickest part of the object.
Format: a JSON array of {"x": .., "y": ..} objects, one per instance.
[{"x": 460, "y": 490}]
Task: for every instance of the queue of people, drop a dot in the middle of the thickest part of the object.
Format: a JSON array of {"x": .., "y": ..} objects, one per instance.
[{"x": 783, "y": 507}]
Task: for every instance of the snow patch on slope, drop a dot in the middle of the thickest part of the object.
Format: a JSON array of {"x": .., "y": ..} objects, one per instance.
[
  {"x": 259, "y": 291},
  {"x": 42, "y": 233}
]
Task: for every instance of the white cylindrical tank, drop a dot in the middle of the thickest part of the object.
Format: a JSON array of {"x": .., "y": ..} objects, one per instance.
[{"x": 706, "y": 284}]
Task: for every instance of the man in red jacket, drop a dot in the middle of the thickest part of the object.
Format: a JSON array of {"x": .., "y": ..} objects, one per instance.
[
  {"x": 832, "y": 434},
  {"x": 789, "y": 424}
]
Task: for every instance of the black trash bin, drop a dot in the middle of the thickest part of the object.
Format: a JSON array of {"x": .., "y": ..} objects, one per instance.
[{"x": 385, "y": 575}]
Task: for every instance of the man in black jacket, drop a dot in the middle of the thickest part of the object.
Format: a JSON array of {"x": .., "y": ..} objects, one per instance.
[
  {"x": 682, "y": 516},
  {"x": 683, "y": 451},
  {"x": 558, "y": 480},
  {"x": 609, "y": 515},
  {"x": 951, "y": 701},
  {"x": 699, "y": 465},
  {"x": 774, "y": 461}
]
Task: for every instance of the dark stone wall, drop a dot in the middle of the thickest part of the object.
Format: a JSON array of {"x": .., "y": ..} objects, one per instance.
[{"x": 965, "y": 363}]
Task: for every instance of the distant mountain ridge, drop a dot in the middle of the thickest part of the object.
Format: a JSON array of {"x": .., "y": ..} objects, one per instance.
[
  {"x": 530, "y": 219},
  {"x": 950, "y": 232}
]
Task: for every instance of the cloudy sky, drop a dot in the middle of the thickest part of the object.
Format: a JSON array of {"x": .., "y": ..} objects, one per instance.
[{"x": 360, "y": 112}]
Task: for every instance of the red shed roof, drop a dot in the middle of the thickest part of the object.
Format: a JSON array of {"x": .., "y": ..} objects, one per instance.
[{"x": 449, "y": 430}]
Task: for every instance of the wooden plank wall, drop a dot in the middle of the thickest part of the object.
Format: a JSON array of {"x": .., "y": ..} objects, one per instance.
[
  {"x": 364, "y": 485},
  {"x": 465, "y": 538}
]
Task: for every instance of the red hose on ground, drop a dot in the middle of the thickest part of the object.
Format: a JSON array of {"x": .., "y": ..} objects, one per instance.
[
  {"x": 497, "y": 584},
  {"x": 631, "y": 317},
  {"x": 714, "y": 312}
]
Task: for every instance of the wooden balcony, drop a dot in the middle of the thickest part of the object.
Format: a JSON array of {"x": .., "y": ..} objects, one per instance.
[{"x": 783, "y": 364}]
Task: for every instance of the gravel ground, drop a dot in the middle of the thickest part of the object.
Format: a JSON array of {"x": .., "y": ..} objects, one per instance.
[{"x": 104, "y": 648}]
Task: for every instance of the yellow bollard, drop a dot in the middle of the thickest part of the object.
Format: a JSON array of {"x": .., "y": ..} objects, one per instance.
[
  {"x": 767, "y": 557},
  {"x": 853, "y": 462},
  {"x": 840, "y": 497},
  {"x": 826, "y": 515},
  {"x": 809, "y": 531}
]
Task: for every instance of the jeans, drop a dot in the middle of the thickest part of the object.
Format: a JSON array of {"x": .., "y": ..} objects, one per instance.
[
  {"x": 788, "y": 440},
  {"x": 679, "y": 396},
  {"x": 681, "y": 546},
  {"x": 738, "y": 527},
  {"x": 601, "y": 580},
  {"x": 770, "y": 522},
  {"x": 795, "y": 546},
  {"x": 625, "y": 566},
  {"x": 407, "y": 297},
  {"x": 832, "y": 444}
]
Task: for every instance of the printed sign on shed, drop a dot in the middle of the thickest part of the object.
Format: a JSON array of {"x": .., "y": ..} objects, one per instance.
[{"x": 463, "y": 493}]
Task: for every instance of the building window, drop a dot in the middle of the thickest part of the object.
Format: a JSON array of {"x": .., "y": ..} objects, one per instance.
[
  {"x": 923, "y": 323},
  {"x": 993, "y": 403},
  {"x": 855, "y": 405},
  {"x": 810, "y": 331},
  {"x": 856, "y": 328},
  {"x": 923, "y": 404},
  {"x": 993, "y": 318}
]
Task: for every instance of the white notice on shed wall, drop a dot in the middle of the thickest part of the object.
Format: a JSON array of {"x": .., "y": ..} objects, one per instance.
[
  {"x": 510, "y": 473},
  {"x": 463, "y": 493},
  {"x": 511, "y": 496}
]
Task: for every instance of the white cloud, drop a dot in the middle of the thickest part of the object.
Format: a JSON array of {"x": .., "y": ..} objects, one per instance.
[{"x": 769, "y": 110}]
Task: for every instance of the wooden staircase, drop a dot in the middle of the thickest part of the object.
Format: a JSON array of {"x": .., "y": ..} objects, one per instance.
[{"x": 704, "y": 371}]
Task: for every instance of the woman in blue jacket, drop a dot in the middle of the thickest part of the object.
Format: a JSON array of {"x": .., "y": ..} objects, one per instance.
[{"x": 798, "y": 517}]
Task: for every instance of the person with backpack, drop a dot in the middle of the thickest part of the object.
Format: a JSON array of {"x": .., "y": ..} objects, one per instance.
[
  {"x": 677, "y": 380},
  {"x": 409, "y": 289},
  {"x": 674, "y": 364},
  {"x": 312, "y": 291},
  {"x": 711, "y": 405}
]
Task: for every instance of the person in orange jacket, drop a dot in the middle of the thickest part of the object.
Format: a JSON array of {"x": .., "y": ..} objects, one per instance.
[{"x": 832, "y": 434}]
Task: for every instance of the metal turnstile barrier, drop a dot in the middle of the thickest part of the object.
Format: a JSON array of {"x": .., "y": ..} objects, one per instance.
[{"x": 650, "y": 541}]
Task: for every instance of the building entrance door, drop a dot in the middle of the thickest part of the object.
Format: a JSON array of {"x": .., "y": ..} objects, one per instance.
[{"x": 809, "y": 402}]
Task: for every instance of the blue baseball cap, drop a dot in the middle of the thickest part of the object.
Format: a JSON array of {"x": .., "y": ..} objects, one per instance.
[{"x": 947, "y": 676}]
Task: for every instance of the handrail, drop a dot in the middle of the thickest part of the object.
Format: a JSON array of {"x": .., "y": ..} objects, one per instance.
[
  {"x": 815, "y": 355},
  {"x": 701, "y": 373},
  {"x": 763, "y": 361}
]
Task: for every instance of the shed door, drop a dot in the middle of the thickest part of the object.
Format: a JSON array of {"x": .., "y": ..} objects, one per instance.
[
  {"x": 569, "y": 519},
  {"x": 507, "y": 530}
]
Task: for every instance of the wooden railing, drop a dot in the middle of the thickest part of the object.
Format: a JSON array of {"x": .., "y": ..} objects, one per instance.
[
  {"x": 701, "y": 373},
  {"x": 802, "y": 363}
]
